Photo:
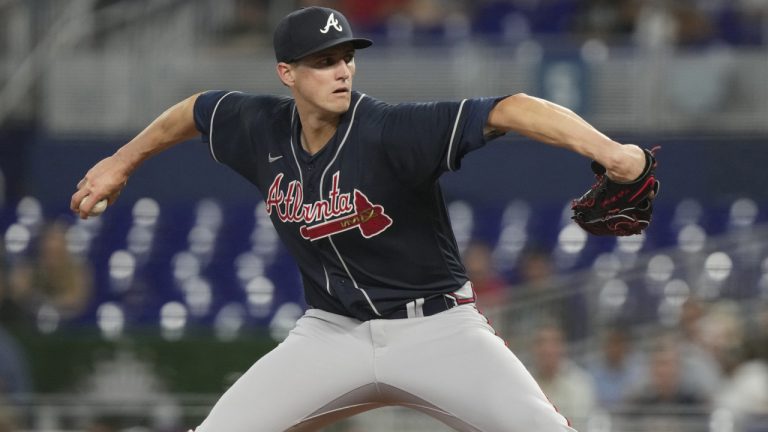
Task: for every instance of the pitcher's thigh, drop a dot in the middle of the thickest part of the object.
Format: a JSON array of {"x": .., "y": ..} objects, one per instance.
[
  {"x": 473, "y": 377},
  {"x": 295, "y": 381},
  {"x": 501, "y": 395}
]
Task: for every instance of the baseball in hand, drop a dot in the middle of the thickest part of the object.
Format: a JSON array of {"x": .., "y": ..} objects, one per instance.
[{"x": 98, "y": 208}]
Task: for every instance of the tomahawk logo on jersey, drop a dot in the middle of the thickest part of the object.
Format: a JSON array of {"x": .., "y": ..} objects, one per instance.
[{"x": 337, "y": 210}]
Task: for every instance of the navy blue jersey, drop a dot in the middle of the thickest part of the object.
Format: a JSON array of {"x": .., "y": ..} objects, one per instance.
[{"x": 364, "y": 217}]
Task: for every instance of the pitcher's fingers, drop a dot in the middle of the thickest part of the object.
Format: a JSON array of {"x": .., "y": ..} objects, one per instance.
[{"x": 77, "y": 197}]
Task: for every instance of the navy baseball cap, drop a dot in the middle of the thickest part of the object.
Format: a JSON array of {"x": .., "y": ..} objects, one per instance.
[{"x": 312, "y": 29}]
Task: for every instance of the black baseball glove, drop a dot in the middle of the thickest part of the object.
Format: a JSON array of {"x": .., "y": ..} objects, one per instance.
[{"x": 618, "y": 209}]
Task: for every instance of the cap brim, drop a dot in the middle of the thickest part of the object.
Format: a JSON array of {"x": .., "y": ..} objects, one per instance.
[{"x": 357, "y": 43}]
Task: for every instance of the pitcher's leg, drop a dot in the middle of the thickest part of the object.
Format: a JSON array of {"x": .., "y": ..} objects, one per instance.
[
  {"x": 455, "y": 364},
  {"x": 322, "y": 365}
]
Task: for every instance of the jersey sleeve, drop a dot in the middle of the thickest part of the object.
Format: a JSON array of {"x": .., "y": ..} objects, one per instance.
[
  {"x": 234, "y": 124},
  {"x": 425, "y": 140},
  {"x": 217, "y": 115}
]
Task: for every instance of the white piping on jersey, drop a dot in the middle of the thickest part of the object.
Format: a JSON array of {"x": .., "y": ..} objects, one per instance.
[
  {"x": 322, "y": 177},
  {"x": 327, "y": 279},
  {"x": 210, "y": 129},
  {"x": 293, "y": 150},
  {"x": 453, "y": 135}
]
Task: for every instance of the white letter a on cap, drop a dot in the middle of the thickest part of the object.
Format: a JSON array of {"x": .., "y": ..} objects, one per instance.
[{"x": 332, "y": 22}]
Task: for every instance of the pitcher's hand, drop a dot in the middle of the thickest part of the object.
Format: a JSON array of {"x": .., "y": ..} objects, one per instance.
[{"x": 105, "y": 180}]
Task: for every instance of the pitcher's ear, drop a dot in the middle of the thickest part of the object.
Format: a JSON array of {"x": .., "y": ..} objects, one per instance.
[{"x": 285, "y": 73}]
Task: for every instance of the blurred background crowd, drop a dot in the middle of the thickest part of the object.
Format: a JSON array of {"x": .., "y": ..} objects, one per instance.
[
  {"x": 640, "y": 22},
  {"x": 138, "y": 319}
]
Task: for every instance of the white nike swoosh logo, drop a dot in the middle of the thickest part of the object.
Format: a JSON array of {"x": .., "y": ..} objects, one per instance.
[{"x": 273, "y": 158}]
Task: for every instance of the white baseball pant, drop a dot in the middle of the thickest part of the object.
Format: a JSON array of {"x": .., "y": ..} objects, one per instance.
[{"x": 450, "y": 366}]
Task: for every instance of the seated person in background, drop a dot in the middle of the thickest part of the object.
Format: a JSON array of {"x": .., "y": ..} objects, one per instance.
[
  {"x": 541, "y": 297},
  {"x": 664, "y": 386},
  {"x": 745, "y": 392},
  {"x": 615, "y": 367},
  {"x": 662, "y": 400},
  {"x": 486, "y": 281},
  {"x": 53, "y": 276},
  {"x": 565, "y": 383},
  {"x": 701, "y": 370}
]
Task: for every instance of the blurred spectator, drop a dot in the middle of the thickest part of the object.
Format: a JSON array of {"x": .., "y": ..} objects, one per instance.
[
  {"x": 691, "y": 312},
  {"x": 609, "y": 20},
  {"x": 682, "y": 23},
  {"x": 616, "y": 367},
  {"x": 694, "y": 27},
  {"x": 701, "y": 371},
  {"x": 487, "y": 283},
  {"x": 439, "y": 20},
  {"x": 745, "y": 393},
  {"x": 535, "y": 300},
  {"x": 427, "y": 13},
  {"x": 550, "y": 300},
  {"x": 402, "y": 20},
  {"x": 655, "y": 26},
  {"x": 722, "y": 334},
  {"x": 567, "y": 385},
  {"x": 249, "y": 15},
  {"x": 536, "y": 269},
  {"x": 53, "y": 276},
  {"x": 653, "y": 23},
  {"x": 662, "y": 402},
  {"x": 663, "y": 387}
]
